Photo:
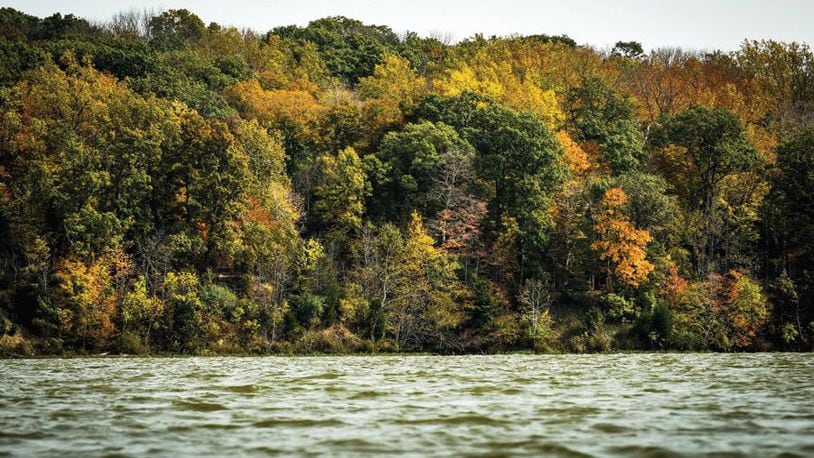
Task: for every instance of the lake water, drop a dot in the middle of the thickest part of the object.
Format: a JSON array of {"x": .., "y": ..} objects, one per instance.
[{"x": 563, "y": 405}]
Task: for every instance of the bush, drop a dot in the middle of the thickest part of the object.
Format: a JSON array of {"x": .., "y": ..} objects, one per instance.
[
  {"x": 654, "y": 327},
  {"x": 14, "y": 346},
  {"x": 619, "y": 307},
  {"x": 131, "y": 343},
  {"x": 594, "y": 319},
  {"x": 310, "y": 308},
  {"x": 335, "y": 339},
  {"x": 724, "y": 312}
]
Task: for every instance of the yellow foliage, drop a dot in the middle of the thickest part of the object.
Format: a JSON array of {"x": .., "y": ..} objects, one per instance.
[
  {"x": 85, "y": 300},
  {"x": 500, "y": 81},
  {"x": 575, "y": 158},
  {"x": 465, "y": 79},
  {"x": 393, "y": 80},
  {"x": 764, "y": 141}
]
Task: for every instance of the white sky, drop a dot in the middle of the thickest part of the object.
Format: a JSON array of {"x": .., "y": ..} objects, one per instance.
[{"x": 698, "y": 24}]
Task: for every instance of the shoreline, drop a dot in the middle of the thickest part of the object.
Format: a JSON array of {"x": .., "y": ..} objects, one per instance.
[{"x": 385, "y": 354}]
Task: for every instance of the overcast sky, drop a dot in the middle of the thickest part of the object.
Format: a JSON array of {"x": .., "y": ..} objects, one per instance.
[{"x": 698, "y": 24}]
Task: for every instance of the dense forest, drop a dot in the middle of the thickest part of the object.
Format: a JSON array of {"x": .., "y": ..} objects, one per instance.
[{"x": 172, "y": 186}]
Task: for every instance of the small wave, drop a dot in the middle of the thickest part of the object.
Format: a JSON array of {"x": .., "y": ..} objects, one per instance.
[
  {"x": 530, "y": 445},
  {"x": 323, "y": 376},
  {"x": 217, "y": 426},
  {"x": 297, "y": 422},
  {"x": 512, "y": 391},
  {"x": 22, "y": 434},
  {"x": 354, "y": 443},
  {"x": 265, "y": 450},
  {"x": 65, "y": 414},
  {"x": 648, "y": 451},
  {"x": 610, "y": 428},
  {"x": 334, "y": 389},
  {"x": 655, "y": 390},
  {"x": 366, "y": 395},
  {"x": 104, "y": 389},
  {"x": 569, "y": 411},
  {"x": 243, "y": 389},
  {"x": 469, "y": 419},
  {"x": 199, "y": 406}
]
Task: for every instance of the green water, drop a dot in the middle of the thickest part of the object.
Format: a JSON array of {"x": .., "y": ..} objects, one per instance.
[{"x": 564, "y": 405}]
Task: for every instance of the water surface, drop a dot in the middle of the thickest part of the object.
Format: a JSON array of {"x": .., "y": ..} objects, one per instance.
[{"x": 563, "y": 405}]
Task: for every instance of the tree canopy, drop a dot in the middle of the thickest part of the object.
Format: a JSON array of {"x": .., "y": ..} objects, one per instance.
[{"x": 168, "y": 185}]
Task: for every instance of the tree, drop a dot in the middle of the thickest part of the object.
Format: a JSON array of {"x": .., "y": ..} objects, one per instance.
[
  {"x": 497, "y": 79},
  {"x": 425, "y": 164},
  {"x": 518, "y": 160},
  {"x": 724, "y": 312},
  {"x": 85, "y": 303},
  {"x": 140, "y": 312},
  {"x": 783, "y": 73},
  {"x": 597, "y": 113},
  {"x": 620, "y": 243},
  {"x": 629, "y": 49},
  {"x": 174, "y": 29},
  {"x": 535, "y": 299},
  {"x": 789, "y": 211},
  {"x": 521, "y": 158},
  {"x": 208, "y": 176},
  {"x": 350, "y": 48},
  {"x": 186, "y": 310},
  {"x": 375, "y": 272},
  {"x": 709, "y": 145},
  {"x": 747, "y": 310},
  {"x": 79, "y": 150},
  {"x": 652, "y": 206},
  {"x": 339, "y": 196},
  {"x": 427, "y": 296},
  {"x": 395, "y": 82},
  {"x": 187, "y": 77}
]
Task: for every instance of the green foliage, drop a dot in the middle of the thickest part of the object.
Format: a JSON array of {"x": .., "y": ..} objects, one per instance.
[
  {"x": 339, "y": 196},
  {"x": 415, "y": 160},
  {"x": 486, "y": 306},
  {"x": 518, "y": 158},
  {"x": 186, "y": 310},
  {"x": 597, "y": 113},
  {"x": 628, "y": 49},
  {"x": 190, "y": 79},
  {"x": 175, "y": 29},
  {"x": 704, "y": 146},
  {"x": 654, "y": 327},
  {"x": 535, "y": 301},
  {"x": 140, "y": 312},
  {"x": 350, "y": 48},
  {"x": 122, "y": 60},
  {"x": 618, "y": 307},
  {"x": 310, "y": 308},
  {"x": 17, "y": 57},
  {"x": 789, "y": 212}
]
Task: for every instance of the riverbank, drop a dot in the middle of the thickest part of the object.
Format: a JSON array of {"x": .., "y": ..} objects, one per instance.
[{"x": 26, "y": 349}]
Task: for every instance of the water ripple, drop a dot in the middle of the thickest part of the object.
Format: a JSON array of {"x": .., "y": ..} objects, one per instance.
[{"x": 658, "y": 405}]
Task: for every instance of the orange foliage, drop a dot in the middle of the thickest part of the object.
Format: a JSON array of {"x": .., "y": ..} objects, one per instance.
[
  {"x": 273, "y": 107},
  {"x": 621, "y": 243},
  {"x": 676, "y": 284}
]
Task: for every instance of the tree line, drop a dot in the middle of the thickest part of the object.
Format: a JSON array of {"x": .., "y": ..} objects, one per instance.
[{"x": 172, "y": 186}]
